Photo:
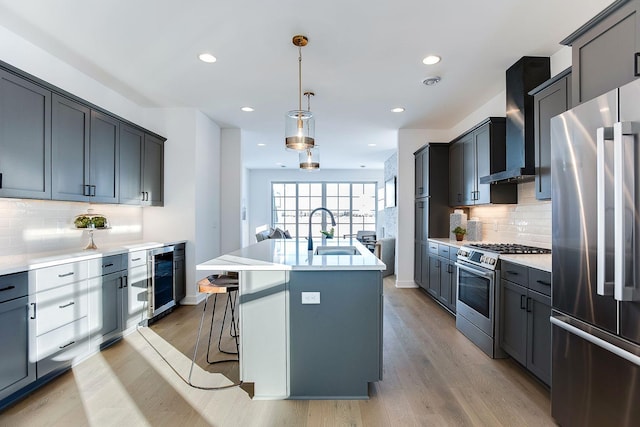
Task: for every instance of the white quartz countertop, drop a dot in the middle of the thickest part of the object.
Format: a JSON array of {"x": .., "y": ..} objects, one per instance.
[
  {"x": 16, "y": 263},
  {"x": 292, "y": 254},
  {"x": 539, "y": 261}
]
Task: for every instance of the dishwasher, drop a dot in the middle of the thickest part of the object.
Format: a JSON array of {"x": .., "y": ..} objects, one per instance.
[{"x": 161, "y": 288}]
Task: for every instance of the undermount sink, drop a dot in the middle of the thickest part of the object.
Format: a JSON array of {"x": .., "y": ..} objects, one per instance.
[{"x": 337, "y": 250}]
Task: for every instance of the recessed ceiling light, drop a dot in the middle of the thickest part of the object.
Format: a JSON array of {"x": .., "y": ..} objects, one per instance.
[
  {"x": 363, "y": 166},
  {"x": 371, "y": 145},
  {"x": 431, "y": 59},
  {"x": 397, "y": 110},
  {"x": 207, "y": 57},
  {"x": 247, "y": 109},
  {"x": 262, "y": 144}
]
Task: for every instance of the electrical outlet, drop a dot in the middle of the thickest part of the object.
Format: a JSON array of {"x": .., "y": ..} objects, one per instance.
[{"x": 310, "y": 297}]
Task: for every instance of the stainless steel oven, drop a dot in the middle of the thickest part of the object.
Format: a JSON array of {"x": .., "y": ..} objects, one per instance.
[
  {"x": 476, "y": 313},
  {"x": 161, "y": 288},
  {"x": 477, "y": 306}
]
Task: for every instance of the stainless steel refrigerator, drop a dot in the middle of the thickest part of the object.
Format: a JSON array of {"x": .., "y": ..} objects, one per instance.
[{"x": 595, "y": 174}]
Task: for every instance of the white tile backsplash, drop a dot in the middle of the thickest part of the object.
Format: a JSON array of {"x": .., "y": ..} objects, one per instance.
[
  {"x": 528, "y": 222},
  {"x": 34, "y": 226}
]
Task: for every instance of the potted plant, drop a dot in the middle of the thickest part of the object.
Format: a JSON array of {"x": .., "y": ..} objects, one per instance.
[{"x": 459, "y": 232}]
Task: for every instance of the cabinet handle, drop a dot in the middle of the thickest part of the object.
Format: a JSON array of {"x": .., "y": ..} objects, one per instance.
[
  {"x": 513, "y": 273},
  {"x": 449, "y": 268},
  {"x": 126, "y": 281},
  {"x": 529, "y": 305},
  {"x": 94, "y": 190},
  {"x": 121, "y": 284},
  {"x": 542, "y": 282},
  {"x": 71, "y": 273},
  {"x": 8, "y": 288},
  {"x": 459, "y": 197},
  {"x": 107, "y": 265},
  {"x": 136, "y": 259},
  {"x": 0, "y": 180},
  {"x": 69, "y": 304},
  {"x": 522, "y": 302},
  {"x": 67, "y": 345},
  {"x": 33, "y": 304},
  {"x": 636, "y": 71}
]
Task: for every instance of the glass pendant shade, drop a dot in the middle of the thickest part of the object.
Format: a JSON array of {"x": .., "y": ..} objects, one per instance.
[
  {"x": 299, "y": 130},
  {"x": 310, "y": 159}
]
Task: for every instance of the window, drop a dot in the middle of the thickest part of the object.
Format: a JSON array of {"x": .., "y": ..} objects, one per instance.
[{"x": 353, "y": 205}]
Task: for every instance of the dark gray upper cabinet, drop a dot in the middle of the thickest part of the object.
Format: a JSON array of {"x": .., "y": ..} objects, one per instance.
[
  {"x": 550, "y": 99},
  {"x": 605, "y": 51},
  {"x": 70, "y": 149},
  {"x": 25, "y": 138},
  {"x": 479, "y": 152},
  {"x": 153, "y": 171},
  {"x": 131, "y": 155},
  {"x": 456, "y": 169},
  {"x": 103, "y": 158},
  {"x": 85, "y": 153},
  {"x": 420, "y": 185}
]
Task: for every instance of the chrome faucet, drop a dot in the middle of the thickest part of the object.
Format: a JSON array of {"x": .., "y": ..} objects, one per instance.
[{"x": 333, "y": 223}]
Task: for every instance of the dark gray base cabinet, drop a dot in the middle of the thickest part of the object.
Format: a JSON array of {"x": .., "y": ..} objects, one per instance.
[
  {"x": 17, "y": 370},
  {"x": 605, "y": 51},
  {"x": 336, "y": 345},
  {"x": 441, "y": 283},
  {"x": 525, "y": 329}
]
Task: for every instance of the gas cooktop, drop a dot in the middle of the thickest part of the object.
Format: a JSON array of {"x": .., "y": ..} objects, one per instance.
[{"x": 510, "y": 248}]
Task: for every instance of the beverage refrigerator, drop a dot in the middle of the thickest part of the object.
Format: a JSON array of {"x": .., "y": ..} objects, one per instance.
[{"x": 596, "y": 261}]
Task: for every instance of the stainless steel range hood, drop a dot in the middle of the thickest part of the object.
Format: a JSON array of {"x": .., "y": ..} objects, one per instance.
[{"x": 521, "y": 77}]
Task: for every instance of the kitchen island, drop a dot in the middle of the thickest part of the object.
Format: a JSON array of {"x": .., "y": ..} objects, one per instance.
[{"x": 310, "y": 325}]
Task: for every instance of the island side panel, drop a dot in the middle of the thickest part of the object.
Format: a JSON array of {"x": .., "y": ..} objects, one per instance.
[
  {"x": 263, "y": 332},
  {"x": 336, "y": 345}
]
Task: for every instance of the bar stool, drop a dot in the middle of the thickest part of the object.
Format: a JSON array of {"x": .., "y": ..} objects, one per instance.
[{"x": 216, "y": 285}]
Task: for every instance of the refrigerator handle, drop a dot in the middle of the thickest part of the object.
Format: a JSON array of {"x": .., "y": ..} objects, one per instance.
[
  {"x": 604, "y": 287},
  {"x": 633, "y": 358},
  {"x": 624, "y": 179}
]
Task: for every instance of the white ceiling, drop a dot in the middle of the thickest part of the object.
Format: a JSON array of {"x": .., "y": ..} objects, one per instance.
[{"x": 363, "y": 58}]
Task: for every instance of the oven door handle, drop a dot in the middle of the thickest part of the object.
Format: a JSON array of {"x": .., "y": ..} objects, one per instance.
[{"x": 487, "y": 274}]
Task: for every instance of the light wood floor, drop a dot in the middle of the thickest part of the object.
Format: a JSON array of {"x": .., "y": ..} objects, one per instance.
[{"x": 432, "y": 376}]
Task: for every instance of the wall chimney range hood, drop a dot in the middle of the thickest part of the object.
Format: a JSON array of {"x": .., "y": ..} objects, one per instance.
[{"x": 523, "y": 76}]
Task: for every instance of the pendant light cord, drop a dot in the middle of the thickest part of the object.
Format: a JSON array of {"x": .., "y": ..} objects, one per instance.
[{"x": 299, "y": 78}]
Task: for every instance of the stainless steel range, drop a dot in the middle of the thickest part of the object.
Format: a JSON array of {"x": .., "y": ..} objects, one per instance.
[{"x": 477, "y": 314}]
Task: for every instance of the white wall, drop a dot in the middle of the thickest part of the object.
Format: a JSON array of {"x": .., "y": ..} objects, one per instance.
[
  {"x": 207, "y": 189},
  {"x": 260, "y": 187},
  {"x": 231, "y": 171}
]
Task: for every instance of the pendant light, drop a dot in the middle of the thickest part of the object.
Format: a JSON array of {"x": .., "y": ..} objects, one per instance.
[
  {"x": 299, "y": 124},
  {"x": 310, "y": 157}
]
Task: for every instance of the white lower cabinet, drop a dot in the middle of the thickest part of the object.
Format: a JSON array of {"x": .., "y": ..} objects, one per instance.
[
  {"x": 60, "y": 317},
  {"x": 60, "y": 347}
]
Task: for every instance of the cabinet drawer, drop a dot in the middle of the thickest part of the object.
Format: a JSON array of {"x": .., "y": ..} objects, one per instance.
[
  {"x": 515, "y": 273},
  {"x": 106, "y": 265},
  {"x": 58, "y": 348},
  {"x": 444, "y": 250},
  {"x": 433, "y": 248},
  {"x": 540, "y": 281},
  {"x": 13, "y": 286},
  {"x": 57, "y": 307},
  {"x": 137, "y": 258},
  {"x": 58, "y": 275}
]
